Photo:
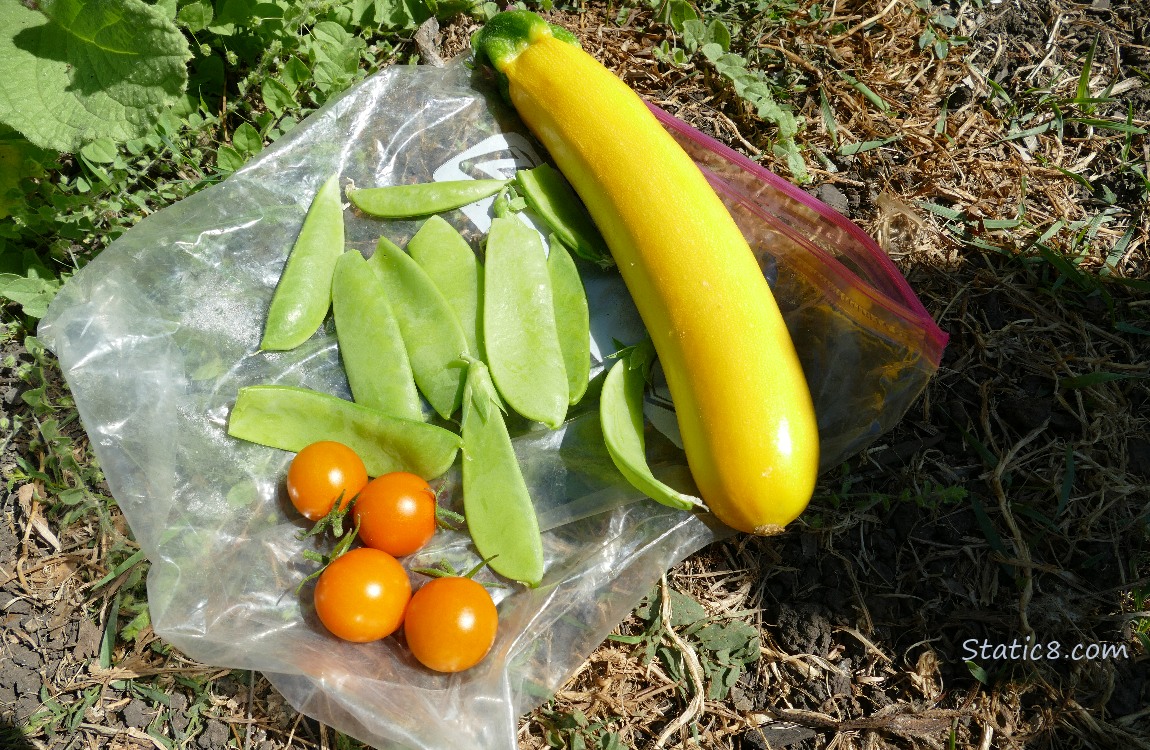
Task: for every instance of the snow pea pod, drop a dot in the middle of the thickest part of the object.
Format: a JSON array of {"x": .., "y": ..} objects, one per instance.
[
  {"x": 519, "y": 333},
  {"x": 572, "y": 318},
  {"x": 422, "y": 199},
  {"x": 451, "y": 263},
  {"x": 431, "y": 332},
  {"x": 552, "y": 199},
  {"x": 370, "y": 343},
  {"x": 496, "y": 503},
  {"x": 291, "y": 418},
  {"x": 621, "y": 415},
  {"x": 303, "y": 295}
]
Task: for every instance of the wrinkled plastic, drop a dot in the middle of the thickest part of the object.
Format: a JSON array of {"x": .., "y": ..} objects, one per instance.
[{"x": 159, "y": 332}]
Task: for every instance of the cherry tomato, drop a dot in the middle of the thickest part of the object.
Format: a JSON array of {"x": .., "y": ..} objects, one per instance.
[
  {"x": 361, "y": 596},
  {"x": 396, "y": 513},
  {"x": 322, "y": 473},
  {"x": 450, "y": 624}
]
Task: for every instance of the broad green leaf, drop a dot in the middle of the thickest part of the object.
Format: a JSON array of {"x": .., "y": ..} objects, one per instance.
[
  {"x": 167, "y": 7},
  {"x": 232, "y": 13},
  {"x": 276, "y": 96},
  {"x": 712, "y": 51},
  {"x": 19, "y": 160},
  {"x": 100, "y": 151},
  {"x": 247, "y": 140},
  {"x": 694, "y": 32},
  {"x": 718, "y": 33},
  {"x": 678, "y": 12},
  {"x": 296, "y": 73},
  {"x": 228, "y": 159},
  {"x": 196, "y": 16},
  {"x": 402, "y": 14},
  {"x": 79, "y": 70},
  {"x": 30, "y": 292}
]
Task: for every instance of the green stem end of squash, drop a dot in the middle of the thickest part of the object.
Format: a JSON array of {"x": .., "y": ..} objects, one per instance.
[{"x": 508, "y": 33}]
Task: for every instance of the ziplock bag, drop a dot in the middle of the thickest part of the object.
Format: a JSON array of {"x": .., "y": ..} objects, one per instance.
[{"x": 158, "y": 333}]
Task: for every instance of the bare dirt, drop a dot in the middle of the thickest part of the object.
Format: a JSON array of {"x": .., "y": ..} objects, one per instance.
[{"x": 1007, "y": 509}]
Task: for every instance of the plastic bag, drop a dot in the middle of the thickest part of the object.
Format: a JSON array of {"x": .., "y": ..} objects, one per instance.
[{"x": 156, "y": 335}]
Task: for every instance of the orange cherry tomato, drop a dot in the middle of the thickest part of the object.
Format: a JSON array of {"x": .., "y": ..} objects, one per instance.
[
  {"x": 361, "y": 596},
  {"x": 396, "y": 513},
  {"x": 321, "y": 474},
  {"x": 450, "y": 624}
]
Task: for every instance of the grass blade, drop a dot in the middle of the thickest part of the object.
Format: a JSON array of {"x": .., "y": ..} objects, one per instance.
[
  {"x": 1087, "y": 66},
  {"x": 865, "y": 90},
  {"x": 1092, "y": 379}
]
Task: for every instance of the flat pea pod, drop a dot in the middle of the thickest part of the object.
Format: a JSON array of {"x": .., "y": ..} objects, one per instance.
[
  {"x": 621, "y": 415},
  {"x": 451, "y": 263},
  {"x": 553, "y": 200},
  {"x": 500, "y": 515},
  {"x": 291, "y": 418},
  {"x": 303, "y": 295},
  {"x": 370, "y": 343},
  {"x": 572, "y": 318},
  {"x": 422, "y": 199},
  {"x": 431, "y": 332},
  {"x": 519, "y": 332}
]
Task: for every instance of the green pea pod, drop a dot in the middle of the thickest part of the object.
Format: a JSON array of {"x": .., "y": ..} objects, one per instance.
[
  {"x": 621, "y": 414},
  {"x": 422, "y": 199},
  {"x": 553, "y": 200},
  {"x": 370, "y": 343},
  {"x": 451, "y": 263},
  {"x": 519, "y": 332},
  {"x": 496, "y": 503},
  {"x": 433, "y": 335},
  {"x": 572, "y": 318},
  {"x": 303, "y": 295},
  {"x": 291, "y": 418}
]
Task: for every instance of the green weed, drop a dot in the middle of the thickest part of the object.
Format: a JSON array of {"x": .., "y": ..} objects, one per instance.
[
  {"x": 725, "y": 647},
  {"x": 709, "y": 42}
]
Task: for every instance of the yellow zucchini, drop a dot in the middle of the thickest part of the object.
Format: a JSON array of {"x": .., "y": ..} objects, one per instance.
[{"x": 742, "y": 401}]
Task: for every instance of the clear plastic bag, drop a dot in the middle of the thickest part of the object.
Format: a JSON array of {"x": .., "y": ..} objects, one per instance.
[{"x": 156, "y": 335}]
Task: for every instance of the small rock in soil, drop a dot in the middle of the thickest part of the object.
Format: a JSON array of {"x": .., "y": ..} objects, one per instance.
[
  {"x": 27, "y": 704},
  {"x": 18, "y": 607},
  {"x": 804, "y": 629},
  {"x": 833, "y": 197},
  {"x": 777, "y": 735},
  {"x": 24, "y": 656},
  {"x": 137, "y": 714},
  {"x": 87, "y": 640},
  {"x": 178, "y": 717},
  {"x": 215, "y": 735}
]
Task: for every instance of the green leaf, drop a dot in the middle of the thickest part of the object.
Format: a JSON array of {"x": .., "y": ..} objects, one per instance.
[
  {"x": 79, "y": 70},
  {"x": 718, "y": 33},
  {"x": 30, "y": 292},
  {"x": 232, "y": 13},
  {"x": 247, "y": 140},
  {"x": 100, "y": 151},
  {"x": 693, "y": 33},
  {"x": 685, "y": 610},
  {"x": 276, "y": 96},
  {"x": 19, "y": 160},
  {"x": 228, "y": 159},
  {"x": 712, "y": 51},
  {"x": 196, "y": 16},
  {"x": 678, "y": 13},
  {"x": 296, "y": 73}
]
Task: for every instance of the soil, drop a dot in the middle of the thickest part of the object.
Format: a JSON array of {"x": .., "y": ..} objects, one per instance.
[{"x": 1005, "y": 508}]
